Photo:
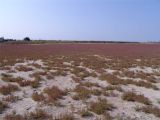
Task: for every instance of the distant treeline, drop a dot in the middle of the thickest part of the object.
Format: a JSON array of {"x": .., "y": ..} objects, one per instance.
[
  {"x": 27, "y": 40},
  {"x": 10, "y": 41}
]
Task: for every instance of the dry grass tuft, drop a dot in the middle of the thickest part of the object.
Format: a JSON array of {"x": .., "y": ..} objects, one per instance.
[
  {"x": 10, "y": 78},
  {"x": 89, "y": 84},
  {"x": 14, "y": 117},
  {"x": 38, "y": 97},
  {"x": 3, "y": 106},
  {"x": 113, "y": 87},
  {"x": 81, "y": 93},
  {"x": 24, "y": 83},
  {"x": 113, "y": 80},
  {"x": 24, "y": 68},
  {"x": 67, "y": 116},
  {"x": 150, "y": 109},
  {"x": 39, "y": 114},
  {"x": 80, "y": 72},
  {"x": 35, "y": 84},
  {"x": 85, "y": 113},
  {"x": 131, "y": 96},
  {"x": 10, "y": 98},
  {"x": 107, "y": 116},
  {"x": 54, "y": 93},
  {"x": 5, "y": 90},
  {"x": 101, "y": 106}
]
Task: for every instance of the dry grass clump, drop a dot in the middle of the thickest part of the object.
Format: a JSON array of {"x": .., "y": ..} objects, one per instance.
[
  {"x": 144, "y": 84},
  {"x": 24, "y": 68},
  {"x": 24, "y": 83},
  {"x": 80, "y": 72},
  {"x": 50, "y": 76},
  {"x": 54, "y": 93},
  {"x": 5, "y": 90},
  {"x": 6, "y": 76},
  {"x": 66, "y": 116},
  {"x": 76, "y": 79},
  {"x": 81, "y": 93},
  {"x": 131, "y": 96},
  {"x": 107, "y": 116},
  {"x": 5, "y": 68},
  {"x": 36, "y": 65},
  {"x": 37, "y": 75},
  {"x": 38, "y": 97},
  {"x": 101, "y": 106},
  {"x": 129, "y": 74},
  {"x": 3, "y": 106},
  {"x": 89, "y": 84},
  {"x": 14, "y": 117},
  {"x": 10, "y": 98},
  {"x": 150, "y": 110},
  {"x": 85, "y": 113},
  {"x": 113, "y": 80},
  {"x": 114, "y": 87},
  {"x": 10, "y": 78},
  {"x": 96, "y": 92},
  {"x": 35, "y": 84},
  {"x": 59, "y": 72},
  {"x": 93, "y": 74},
  {"x": 39, "y": 114}
]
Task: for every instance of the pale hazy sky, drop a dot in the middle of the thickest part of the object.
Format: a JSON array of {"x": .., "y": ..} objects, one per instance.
[{"x": 131, "y": 20}]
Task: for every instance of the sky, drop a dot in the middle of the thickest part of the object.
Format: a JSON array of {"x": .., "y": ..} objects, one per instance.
[{"x": 110, "y": 20}]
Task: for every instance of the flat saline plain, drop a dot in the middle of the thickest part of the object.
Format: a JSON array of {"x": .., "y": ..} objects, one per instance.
[{"x": 80, "y": 81}]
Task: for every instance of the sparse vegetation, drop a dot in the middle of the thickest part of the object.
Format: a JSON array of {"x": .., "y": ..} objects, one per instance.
[{"x": 77, "y": 86}]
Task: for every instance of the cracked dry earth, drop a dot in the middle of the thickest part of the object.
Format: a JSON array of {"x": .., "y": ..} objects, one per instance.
[{"x": 80, "y": 87}]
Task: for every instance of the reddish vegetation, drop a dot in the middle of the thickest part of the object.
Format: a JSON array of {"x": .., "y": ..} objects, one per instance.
[{"x": 24, "y": 50}]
